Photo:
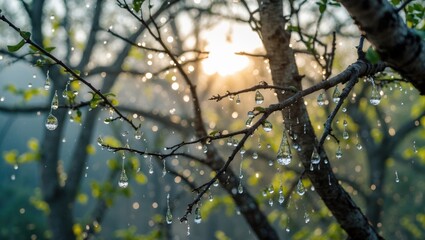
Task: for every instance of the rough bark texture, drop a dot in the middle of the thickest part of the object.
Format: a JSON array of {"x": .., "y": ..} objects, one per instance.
[
  {"x": 399, "y": 46},
  {"x": 284, "y": 73}
]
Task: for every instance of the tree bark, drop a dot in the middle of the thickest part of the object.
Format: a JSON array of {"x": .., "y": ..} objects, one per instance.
[
  {"x": 285, "y": 73},
  {"x": 399, "y": 46}
]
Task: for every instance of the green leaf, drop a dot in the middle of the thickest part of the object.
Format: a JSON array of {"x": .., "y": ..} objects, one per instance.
[
  {"x": 49, "y": 49},
  {"x": 25, "y": 35},
  {"x": 137, "y": 5},
  {"x": 14, "y": 48},
  {"x": 322, "y": 8},
  {"x": 213, "y": 133},
  {"x": 372, "y": 56}
]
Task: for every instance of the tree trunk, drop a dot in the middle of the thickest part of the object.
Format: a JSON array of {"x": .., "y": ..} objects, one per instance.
[
  {"x": 399, "y": 46},
  {"x": 284, "y": 73}
]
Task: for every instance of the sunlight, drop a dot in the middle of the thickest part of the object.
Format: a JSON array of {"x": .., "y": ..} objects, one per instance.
[
  {"x": 223, "y": 60},
  {"x": 222, "y": 43}
]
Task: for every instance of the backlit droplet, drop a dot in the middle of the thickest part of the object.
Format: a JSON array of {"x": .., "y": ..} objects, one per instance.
[
  {"x": 284, "y": 155},
  {"x": 259, "y": 99},
  {"x": 375, "y": 97},
  {"x": 267, "y": 126},
  {"x": 345, "y": 134},
  {"x": 123, "y": 181},
  {"x": 271, "y": 189},
  {"x": 281, "y": 196},
  {"x": 251, "y": 114},
  {"x": 240, "y": 188},
  {"x": 55, "y": 101},
  {"x": 248, "y": 122},
  {"x": 321, "y": 99},
  {"x": 306, "y": 217},
  {"x": 238, "y": 100},
  {"x": 29, "y": 85},
  {"x": 271, "y": 202},
  {"x": 396, "y": 177},
  {"x": 315, "y": 157},
  {"x": 359, "y": 146},
  {"x": 188, "y": 229},
  {"x": 264, "y": 192},
  {"x": 300, "y": 188},
  {"x": 338, "y": 153},
  {"x": 51, "y": 122},
  {"x": 255, "y": 155},
  {"x": 336, "y": 95},
  {"x": 231, "y": 97},
  {"x": 150, "y": 165},
  {"x": 168, "y": 215},
  {"x": 47, "y": 83},
  {"x": 198, "y": 217},
  {"x": 138, "y": 134},
  {"x": 100, "y": 141},
  {"x": 164, "y": 170}
]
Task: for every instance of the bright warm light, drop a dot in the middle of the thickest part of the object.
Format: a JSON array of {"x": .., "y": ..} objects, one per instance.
[
  {"x": 223, "y": 60},
  {"x": 222, "y": 42}
]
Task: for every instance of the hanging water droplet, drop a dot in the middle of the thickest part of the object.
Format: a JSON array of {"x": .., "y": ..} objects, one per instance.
[
  {"x": 188, "y": 229},
  {"x": 231, "y": 97},
  {"x": 249, "y": 122},
  {"x": 336, "y": 95},
  {"x": 150, "y": 166},
  {"x": 255, "y": 155},
  {"x": 238, "y": 100},
  {"x": 205, "y": 149},
  {"x": 321, "y": 99},
  {"x": 359, "y": 146},
  {"x": 229, "y": 141},
  {"x": 100, "y": 141},
  {"x": 271, "y": 202},
  {"x": 164, "y": 170},
  {"x": 345, "y": 123},
  {"x": 338, "y": 153},
  {"x": 267, "y": 126},
  {"x": 55, "y": 101},
  {"x": 123, "y": 181},
  {"x": 281, "y": 196},
  {"x": 169, "y": 216},
  {"x": 251, "y": 114},
  {"x": 29, "y": 85},
  {"x": 51, "y": 122},
  {"x": 375, "y": 97},
  {"x": 264, "y": 192},
  {"x": 215, "y": 184},
  {"x": 240, "y": 188},
  {"x": 345, "y": 134},
  {"x": 300, "y": 188},
  {"x": 138, "y": 134},
  {"x": 270, "y": 162},
  {"x": 47, "y": 83},
  {"x": 396, "y": 177},
  {"x": 198, "y": 217},
  {"x": 315, "y": 157},
  {"x": 259, "y": 99},
  {"x": 284, "y": 155},
  {"x": 306, "y": 217},
  {"x": 271, "y": 189}
]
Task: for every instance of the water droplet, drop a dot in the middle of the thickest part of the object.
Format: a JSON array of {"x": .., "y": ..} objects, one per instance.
[
  {"x": 29, "y": 85},
  {"x": 198, "y": 217},
  {"x": 138, "y": 134},
  {"x": 169, "y": 216},
  {"x": 238, "y": 100},
  {"x": 259, "y": 98},
  {"x": 311, "y": 167},
  {"x": 188, "y": 229},
  {"x": 267, "y": 126},
  {"x": 229, "y": 141},
  {"x": 264, "y": 192},
  {"x": 255, "y": 155},
  {"x": 240, "y": 188},
  {"x": 150, "y": 165},
  {"x": 315, "y": 157},
  {"x": 55, "y": 101},
  {"x": 281, "y": 196},
  {"x": 306, "y": 217},
  {"x": 345, "y": 134},
  {"x": 336, "y": 95},
  {"x": 100, "y": 141},
  {"x": 164, "y": 170},
  {"x": 300, "y": 188},
  {"x": 284, "y": 155},
  {"x": 396, "y": 177},
  {"x": 345, "y": 123},
  {"x": 215, "y": 184},
  {"x": 271, "y": 189},
  {"x": 249, "y": 122},
  {"x": 338, "y": 153},
  {"x": 375, "y": 97},
  {"x": 271, "y": 202},
  {"x": 231, "y": 97},
  {"x": 47, "y": 83},
  {"x": 250, "y": 114},
  {"x": 321, "y": 99},
  {"x": 359, "y": 146},
  {"x": 123, "y": 181},
  {"x": 51, "y": 122},
  {"x": 415, "y": 150},
  {"x": 205, "y": 149}
]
